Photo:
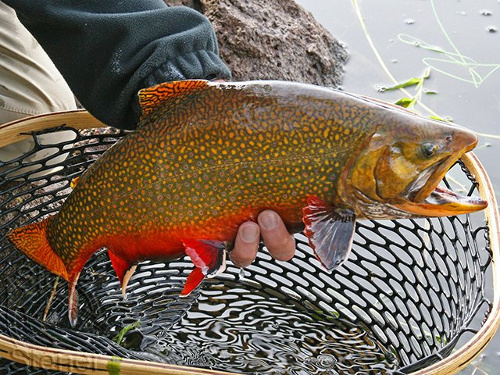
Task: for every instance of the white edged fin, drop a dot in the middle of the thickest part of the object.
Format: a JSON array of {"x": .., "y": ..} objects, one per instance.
[
  {"x": 73, "y": 302},
  {"x": 126, "y": 278}
]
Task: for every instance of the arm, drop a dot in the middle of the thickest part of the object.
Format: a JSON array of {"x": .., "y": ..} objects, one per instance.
[{"x": 108, "y": 50}]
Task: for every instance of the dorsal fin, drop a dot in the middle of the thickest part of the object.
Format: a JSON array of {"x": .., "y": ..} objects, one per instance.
[{"x": 151, "y": 97}]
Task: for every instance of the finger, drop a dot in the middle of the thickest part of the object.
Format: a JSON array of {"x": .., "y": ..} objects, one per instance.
[
  {"x": 279, "y": 242},
  {"x": 246, "y": 244}
]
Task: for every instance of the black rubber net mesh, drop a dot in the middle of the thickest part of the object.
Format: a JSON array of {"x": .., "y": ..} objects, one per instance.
[{"x": 411, "y": 291}]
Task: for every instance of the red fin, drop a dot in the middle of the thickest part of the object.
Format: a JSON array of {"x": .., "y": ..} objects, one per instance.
[
  {"x": 151, "y": 97},
  {"x": 194, "y": 279},
  {"x": 330, "y": 231},
  {"x": 209, "y": 256},
  {"x": 32, "y": 240},
  {"x": 124, "y": 270}
]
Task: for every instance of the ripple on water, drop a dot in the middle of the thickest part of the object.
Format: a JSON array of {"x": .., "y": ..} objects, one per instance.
[{"x": 247, "y": 330}]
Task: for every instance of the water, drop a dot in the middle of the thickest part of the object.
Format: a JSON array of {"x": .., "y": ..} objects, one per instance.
[
  {"x": 237, "y": 329},
  {"x": 457, "y": 40},
  {"x": 229, "y": 324}
]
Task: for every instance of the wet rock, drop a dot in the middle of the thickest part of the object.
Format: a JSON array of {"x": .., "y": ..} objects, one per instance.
[{"x": 262, "y": 39}]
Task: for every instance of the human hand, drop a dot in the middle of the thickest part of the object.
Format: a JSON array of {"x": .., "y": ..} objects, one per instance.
[{"x": 279, "y": 242}]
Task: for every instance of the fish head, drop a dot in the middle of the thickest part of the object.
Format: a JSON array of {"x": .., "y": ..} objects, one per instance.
[{"x": 398, "y": 172}]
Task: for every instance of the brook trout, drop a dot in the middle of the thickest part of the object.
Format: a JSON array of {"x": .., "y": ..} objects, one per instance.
[{"x": 208, "y": 156}]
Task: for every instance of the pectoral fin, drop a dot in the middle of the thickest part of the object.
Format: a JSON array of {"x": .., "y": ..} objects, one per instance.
[
  {"x": 330, "y": 231},
  {"x": 209, "y": 257}
]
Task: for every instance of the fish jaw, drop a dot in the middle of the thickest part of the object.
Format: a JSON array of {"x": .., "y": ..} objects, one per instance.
[
  {"x": 398, "y": 171},
  {"x": 443, "y": 202},
  {"x": 426, "y": 198},
  {"x": 464, "y": 141}
]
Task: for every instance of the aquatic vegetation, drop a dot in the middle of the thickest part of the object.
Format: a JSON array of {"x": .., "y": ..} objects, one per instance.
[
  {"x": 119, "y": 337},
  {"x": 453, "y": 63},
  {"x": 470, "y": 70}
]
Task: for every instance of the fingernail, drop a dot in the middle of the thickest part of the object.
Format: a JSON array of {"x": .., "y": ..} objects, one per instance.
[
  {"x": 268, "y": 220},
  {"x": 249, "y": 233}
]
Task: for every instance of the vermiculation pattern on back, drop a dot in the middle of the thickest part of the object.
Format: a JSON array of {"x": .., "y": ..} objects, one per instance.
[{"x": 211, "y": 154}]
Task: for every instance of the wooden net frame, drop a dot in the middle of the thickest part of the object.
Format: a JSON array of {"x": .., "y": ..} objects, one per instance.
[{"x": 436, "y": 356}]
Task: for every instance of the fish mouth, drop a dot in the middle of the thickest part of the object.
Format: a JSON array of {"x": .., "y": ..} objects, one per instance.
[{"x": 424, "y": 197}]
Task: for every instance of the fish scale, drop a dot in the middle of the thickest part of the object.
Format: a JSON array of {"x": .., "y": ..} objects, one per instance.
[{"x": 208, "y": 156}]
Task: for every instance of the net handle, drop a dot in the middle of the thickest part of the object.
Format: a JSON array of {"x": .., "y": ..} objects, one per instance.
[
  {"x": 462, "y": 356},
  {"x": 18, "y": 130}
]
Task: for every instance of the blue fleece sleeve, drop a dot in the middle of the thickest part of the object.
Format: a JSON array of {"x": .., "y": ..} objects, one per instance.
[{"x": 107, "y": 50}]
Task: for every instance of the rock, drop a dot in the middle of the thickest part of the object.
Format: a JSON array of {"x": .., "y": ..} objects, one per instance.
[
  {"x": 195, "y": 4},
  {"x": 262, "y": 39}
]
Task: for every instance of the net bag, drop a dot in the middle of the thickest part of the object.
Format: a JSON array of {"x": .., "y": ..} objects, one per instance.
[{"x": 415, "y": 297}]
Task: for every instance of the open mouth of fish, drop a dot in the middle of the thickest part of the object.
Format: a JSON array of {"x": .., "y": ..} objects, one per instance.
[{"x": 425, "y": 197}]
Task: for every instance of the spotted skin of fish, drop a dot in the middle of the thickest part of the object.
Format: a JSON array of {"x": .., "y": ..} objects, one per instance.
[
  {"x": 203, "y": 175},
  {"x": 207, "y": 157}
]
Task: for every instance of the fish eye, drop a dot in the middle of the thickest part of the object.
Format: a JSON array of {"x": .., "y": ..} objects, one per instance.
[{"x": 429, "y": 149}]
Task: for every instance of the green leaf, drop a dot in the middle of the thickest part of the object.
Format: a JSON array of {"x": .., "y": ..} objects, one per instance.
[
  {"x": 405, "y": 102},
  {"x": 410, "y": 82},
  {"x": 437, "y": 118},
  {"x": 119, "y": 337}
]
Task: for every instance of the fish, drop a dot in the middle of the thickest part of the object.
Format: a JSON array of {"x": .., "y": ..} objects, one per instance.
[{"x": 207, "y": 156}]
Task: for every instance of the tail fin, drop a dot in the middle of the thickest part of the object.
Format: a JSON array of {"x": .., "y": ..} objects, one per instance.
[{"x": 32, "y": 240}]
